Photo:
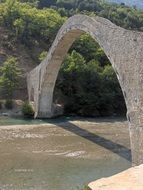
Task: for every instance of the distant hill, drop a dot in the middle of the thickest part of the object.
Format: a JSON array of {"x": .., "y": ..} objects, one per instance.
[{"x": 137, "y": 3}]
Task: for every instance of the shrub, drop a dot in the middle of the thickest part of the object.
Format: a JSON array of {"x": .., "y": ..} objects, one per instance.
[
  {"x": 42, "y": 55},
  {"x": 84, "y": 188},
  {"x": 27, "y": 110},
  {"x": 9, "y": 104},
  {"x": 0, "y": 104}
]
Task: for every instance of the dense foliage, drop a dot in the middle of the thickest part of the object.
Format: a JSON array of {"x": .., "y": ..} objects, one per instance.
[
  {"x": 135, "y": 3},
  {"x": 119, "y": 14},
  {"x": 47, "y": 19},
  {"x": 9, "y": 104},
  {"x": 87, "y": 84},
  {"x": 89, "y": 88},
  {"x": 29, "y": 24},
  {"x": 9, "y": 79}
]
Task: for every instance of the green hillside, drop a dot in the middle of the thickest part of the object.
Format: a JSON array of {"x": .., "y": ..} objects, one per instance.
[
  {"x": 137, "y": 3},
  {"x": 87, "y": 84}
]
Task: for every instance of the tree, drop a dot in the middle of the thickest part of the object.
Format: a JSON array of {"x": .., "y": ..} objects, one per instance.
[
  {"x": 29, "y": 23},
  {"x": 45, "y": 3},
  {"x": 86, "y": 46},
  {"x": 9, "y": 79}
]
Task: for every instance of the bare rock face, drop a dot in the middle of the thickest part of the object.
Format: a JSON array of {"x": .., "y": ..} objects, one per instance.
[{"x": 131, "y": 179}]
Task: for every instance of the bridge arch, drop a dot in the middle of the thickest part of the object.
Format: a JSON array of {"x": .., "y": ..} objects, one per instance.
[{"x": 123, "y": 48}]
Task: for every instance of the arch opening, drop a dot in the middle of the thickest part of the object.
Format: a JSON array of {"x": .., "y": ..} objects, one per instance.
[
  {"x": 64, "y": 40},
  {"x": 87, "y": 84}
]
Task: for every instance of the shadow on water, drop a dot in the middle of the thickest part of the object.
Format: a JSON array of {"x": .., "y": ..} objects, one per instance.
[
  {"x": 101, "y": 141},
  {"x": 108, "y": 144}
]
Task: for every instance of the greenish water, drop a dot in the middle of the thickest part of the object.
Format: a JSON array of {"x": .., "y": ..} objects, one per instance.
[
  {"x": 19, "y": 121},
  {"x": 4, "y": 120},
  {"x": 63, "y": 154}
]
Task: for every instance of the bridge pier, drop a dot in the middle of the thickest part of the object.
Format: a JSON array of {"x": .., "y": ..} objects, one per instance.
[
  {"x": 55, "y": 111},
  {"x": 136, "y": 136}
]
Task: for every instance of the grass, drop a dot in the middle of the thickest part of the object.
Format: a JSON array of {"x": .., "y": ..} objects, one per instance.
[{"x": 84, "y": 188}]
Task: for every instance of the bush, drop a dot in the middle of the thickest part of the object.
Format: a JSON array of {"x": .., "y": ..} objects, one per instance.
[
  {"x": 0, "y": 104},
  {"x": 42, "y": 55},
  {"x": 27, "y": 110},
  {"x": 9, "y": 104},
  {"x": 84, "y": 188}
]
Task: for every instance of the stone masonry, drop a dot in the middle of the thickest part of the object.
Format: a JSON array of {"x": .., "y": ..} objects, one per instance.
[{"x": 123, "y": 48}]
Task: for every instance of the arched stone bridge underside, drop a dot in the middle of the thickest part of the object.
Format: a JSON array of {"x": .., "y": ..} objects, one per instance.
[{"x": 123, "y": 48}]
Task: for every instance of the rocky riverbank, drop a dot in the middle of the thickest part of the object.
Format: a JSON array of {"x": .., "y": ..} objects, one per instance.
[
  {"x": 131, "y": 179},
  {"x": 16, "y": 109}
]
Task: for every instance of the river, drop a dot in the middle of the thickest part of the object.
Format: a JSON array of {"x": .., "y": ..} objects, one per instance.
[{"x": 61, "y": 154}]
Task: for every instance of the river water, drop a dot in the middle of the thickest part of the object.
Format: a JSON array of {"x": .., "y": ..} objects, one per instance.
[{"x": 61, "y": 154}]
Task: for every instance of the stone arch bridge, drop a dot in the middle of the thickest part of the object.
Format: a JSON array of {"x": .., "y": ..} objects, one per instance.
[{"x": 123, "y": 48}]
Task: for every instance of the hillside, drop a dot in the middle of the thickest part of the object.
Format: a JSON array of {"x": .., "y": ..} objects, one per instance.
[
  {"x": 137, "y": 3},
  {"x": 87, "y": 84},
  {"x": 9, "y": 46}
]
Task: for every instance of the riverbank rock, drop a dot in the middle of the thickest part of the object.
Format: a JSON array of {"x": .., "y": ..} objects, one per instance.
[
  {"x": 15, "y": 111},
  {"x": 131, "y": 179}
]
